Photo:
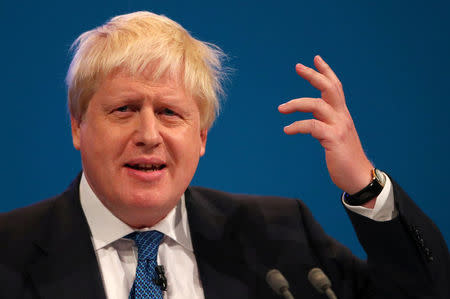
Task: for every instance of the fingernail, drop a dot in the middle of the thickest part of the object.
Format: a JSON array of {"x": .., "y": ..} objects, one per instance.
[
  {"x": 320, "y": 58},
  {"x": 300, "y": 66}
]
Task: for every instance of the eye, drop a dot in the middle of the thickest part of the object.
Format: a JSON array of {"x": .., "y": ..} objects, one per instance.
[
  {"x": 124, "y": 108},
  {"x": 168, "y": 112},
  {"x": 123, "y": 111}
]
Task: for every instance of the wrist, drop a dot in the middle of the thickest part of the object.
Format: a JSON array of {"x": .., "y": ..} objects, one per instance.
[
  {"x": 360, "y": 179},
  {"x": 370, "y": 204},
  {"x": 367, "y": 195}
]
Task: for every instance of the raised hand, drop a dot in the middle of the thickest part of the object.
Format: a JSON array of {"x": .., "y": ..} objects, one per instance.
[{"x": 332, "y": 126}]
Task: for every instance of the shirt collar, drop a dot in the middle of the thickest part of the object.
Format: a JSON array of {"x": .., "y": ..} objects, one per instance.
[{"x": 106, "y": 228}]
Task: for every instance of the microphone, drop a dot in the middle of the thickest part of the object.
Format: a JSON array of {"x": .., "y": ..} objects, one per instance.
[
  {"x": 161, "y": 280},
  {"x": 321, "y": 282},
  {"x": 278, "y": 283}
]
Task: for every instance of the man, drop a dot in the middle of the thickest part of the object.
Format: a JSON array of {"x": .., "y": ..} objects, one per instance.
[{"x": 142, "y": 95}]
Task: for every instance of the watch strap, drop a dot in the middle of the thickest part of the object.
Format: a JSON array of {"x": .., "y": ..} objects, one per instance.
[{"x": 366, "y": 194}]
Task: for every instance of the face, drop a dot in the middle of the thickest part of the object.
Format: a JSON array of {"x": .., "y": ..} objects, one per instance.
[{"x": 140, "y": 145}]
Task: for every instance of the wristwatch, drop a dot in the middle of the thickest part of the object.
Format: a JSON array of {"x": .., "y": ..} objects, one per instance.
[{"x": 369, "y": 192}]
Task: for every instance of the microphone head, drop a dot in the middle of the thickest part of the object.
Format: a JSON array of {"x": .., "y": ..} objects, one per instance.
[
  {"x": 277, "y": 281},
  {"x": 319, "y": 280}
]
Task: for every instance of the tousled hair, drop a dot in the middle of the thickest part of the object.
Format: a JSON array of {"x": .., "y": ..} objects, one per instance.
[{"x": 134, "y": 41}]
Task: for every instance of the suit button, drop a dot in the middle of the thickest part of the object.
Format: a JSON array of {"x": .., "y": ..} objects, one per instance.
[{"x": 428, "y": 254}]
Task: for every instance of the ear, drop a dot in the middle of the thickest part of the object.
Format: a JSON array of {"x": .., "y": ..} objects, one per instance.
[
  {"x": 203, "y": 137},
  {"x": 75, "y": 125}
]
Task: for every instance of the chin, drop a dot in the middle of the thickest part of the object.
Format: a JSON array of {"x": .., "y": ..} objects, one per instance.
[{"x": 151, "y": 200}]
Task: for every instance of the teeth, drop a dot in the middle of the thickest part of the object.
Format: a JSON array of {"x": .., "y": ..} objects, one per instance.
[{"x": 146, "y": 167}]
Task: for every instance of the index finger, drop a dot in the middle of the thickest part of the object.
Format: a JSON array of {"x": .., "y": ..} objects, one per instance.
[
  {"x": 331, "y": 92},
  {"x": 325, "y": 69},
  {"x": 315, "y": 78}
]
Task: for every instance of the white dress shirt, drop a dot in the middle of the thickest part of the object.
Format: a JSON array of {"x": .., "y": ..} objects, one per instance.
[{"x": 117, "y": 256}]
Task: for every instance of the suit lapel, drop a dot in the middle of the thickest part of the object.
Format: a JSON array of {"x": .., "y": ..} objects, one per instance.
[
  {"x": 225, "y": 266},
  {"x": 66, "y": 266}
]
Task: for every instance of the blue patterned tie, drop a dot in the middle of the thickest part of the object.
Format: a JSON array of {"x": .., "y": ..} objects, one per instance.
[{"x": 144, "y": 285}]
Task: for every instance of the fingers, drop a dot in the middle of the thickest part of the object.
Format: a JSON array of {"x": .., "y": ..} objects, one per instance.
[
  {"x": 318, "y": 107},
  {"x": 317, "y": 129},
  {"x": 330, "y": 112},
  {"x": 315, "y": 78},
  {"x": 324, "y": 80},
  {"x": 325, "y": 69}
]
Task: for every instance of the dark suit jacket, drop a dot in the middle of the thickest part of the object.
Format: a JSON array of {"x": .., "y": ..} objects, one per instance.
[{"x": 47, "y": 251}]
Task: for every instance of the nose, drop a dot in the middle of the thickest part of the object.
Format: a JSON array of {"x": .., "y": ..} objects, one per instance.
[{"x": 147, "y": 130}]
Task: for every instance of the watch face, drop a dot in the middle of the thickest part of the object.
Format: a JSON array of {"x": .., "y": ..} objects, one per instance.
[{"x": 381, "y": 177}]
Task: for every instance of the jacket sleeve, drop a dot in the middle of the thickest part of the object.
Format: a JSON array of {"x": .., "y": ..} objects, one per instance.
[{"x": 407, "y": 257}]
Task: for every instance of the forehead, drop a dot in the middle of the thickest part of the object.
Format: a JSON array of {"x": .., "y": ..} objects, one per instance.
[
  {"x": 121, "y": 85},
  {"x": 123, "y": 88},
  {"x": 146, "y": 80}
]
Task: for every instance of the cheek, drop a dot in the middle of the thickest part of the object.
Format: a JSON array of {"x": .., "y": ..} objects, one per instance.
[
  {"x": 185, "y": 144},
  {"x": 183, "y": 151},
  {"x": 90, "y": 151},
  {"x": 99, "y": 143}
]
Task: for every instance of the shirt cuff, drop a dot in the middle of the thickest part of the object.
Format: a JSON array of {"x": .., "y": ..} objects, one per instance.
[{"x": 384, "y": 209}]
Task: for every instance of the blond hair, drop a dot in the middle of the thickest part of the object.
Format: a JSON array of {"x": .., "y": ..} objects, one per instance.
[{"x": 134, "y": 41}]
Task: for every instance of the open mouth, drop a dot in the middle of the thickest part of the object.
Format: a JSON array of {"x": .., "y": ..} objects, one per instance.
[{"x": 146, "y": 167}]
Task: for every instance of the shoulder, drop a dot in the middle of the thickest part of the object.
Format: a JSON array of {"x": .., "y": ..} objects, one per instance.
[
  {"x": 22, "y": 221},
  {"x": 21, "y": 227},
  {"x": 219, "y": 197},
  {"x": 29, "y": 218},
  {"x": 18, "y": 231},
  {"x": 268, "y": 208}
]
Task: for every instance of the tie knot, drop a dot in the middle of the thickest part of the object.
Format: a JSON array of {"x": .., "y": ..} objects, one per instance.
[{"x": 147, "y": 243}]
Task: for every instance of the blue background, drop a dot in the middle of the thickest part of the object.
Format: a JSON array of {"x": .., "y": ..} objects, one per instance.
[{"x": 392, "y": 57}]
